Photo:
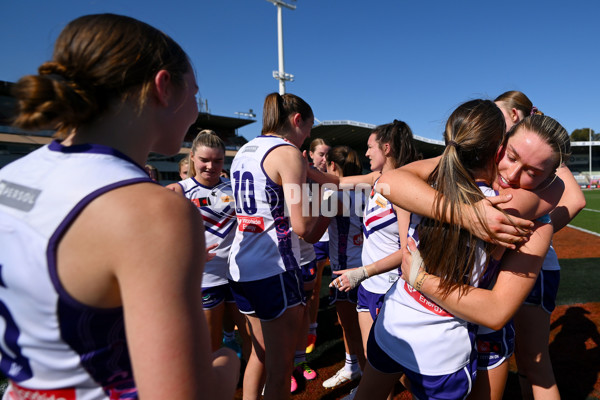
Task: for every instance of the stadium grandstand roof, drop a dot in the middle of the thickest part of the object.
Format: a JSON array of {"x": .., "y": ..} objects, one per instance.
[{"x": 355, "y": 134}]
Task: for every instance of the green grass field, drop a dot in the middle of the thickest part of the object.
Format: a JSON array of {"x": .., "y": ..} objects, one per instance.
[
  {"x": 580, "y": 278},
  {"x": 589, "y": 217},
  {"x": 579, "y": 281}
]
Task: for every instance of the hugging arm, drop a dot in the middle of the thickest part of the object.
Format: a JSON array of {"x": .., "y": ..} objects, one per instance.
[
  {"x": 571, "y": 202},
  {"x": 492, "y": 307},
  {"x": 420, "y": 200}
]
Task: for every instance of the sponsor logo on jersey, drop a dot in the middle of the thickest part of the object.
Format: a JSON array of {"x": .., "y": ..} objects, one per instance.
[
  {"x": 380, "y": 200},
  {"x": 251, "y": 224},
  {"x": 425, "y": 302},
  {"x": 201, "y": 202},
  {"x": 250, "y": 149},
  {"x": 19, "y": 392},
  {"x": 358, "y": 239},
  {"x": 18, "y": 196},
  {"x": 226, "y": 199}
]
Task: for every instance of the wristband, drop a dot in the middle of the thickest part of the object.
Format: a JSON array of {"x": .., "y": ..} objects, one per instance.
[{"x": 420, "y": 280}]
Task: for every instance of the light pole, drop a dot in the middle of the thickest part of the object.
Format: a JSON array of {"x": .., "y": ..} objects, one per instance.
[
  {"x": 590, "y": 138},
  {"x": 281, "y": 75}
]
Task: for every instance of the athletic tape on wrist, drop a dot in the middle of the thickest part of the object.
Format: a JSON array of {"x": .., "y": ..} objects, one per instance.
[
  {"x": 415, "y": 265},
  {"x": 356, "y": 276}
]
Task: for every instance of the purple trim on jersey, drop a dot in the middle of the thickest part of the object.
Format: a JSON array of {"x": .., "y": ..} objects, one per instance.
[
  {"x": 93, "y": 148},
  {"x": 415, "y": 235},
  {"x": 368, "y": 232},
  {"x": 484, "y": 184},
  {"x": 193, "y": 178},
  {"x": 231, "y": 217},
  {"x": 229, "y": 210},
  {"x": 218, "y": 214},
  {"x": 94, "y": 333},
  {"x": 369, "y": 223},
  {"x": 343, "y": 228},
  {"x": 489, "y": 275},
  {"x": 98, "y": 336},
  {"x": 281, "y": 224},
  {"x": 262, "y": 167}
]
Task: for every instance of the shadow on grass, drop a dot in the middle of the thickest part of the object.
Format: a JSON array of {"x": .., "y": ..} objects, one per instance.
[
  {"x": 579, "y": 281},
  {"x": 574, "y": 351}
]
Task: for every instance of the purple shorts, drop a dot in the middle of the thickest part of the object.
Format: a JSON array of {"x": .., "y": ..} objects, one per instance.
[
  {"x": 369, "y": 301},
  {"x": 545, "y": 290},
  {"x": 338, "y": 295},
  {"x": 268, "y": 298},
  {"x": 213, "y": 296},
  {"x": 495, "y": 347},
  {"x": 321, "y": 250},
  {"x": 309, "y": 271}
]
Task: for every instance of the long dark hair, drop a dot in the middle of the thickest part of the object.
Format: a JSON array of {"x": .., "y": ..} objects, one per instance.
[
  {"x": 278, "y": 108},
  {"x": 473, "y": 134},
  {"x": 346, "y": 159},
  {"x": 400, "y": 138}
]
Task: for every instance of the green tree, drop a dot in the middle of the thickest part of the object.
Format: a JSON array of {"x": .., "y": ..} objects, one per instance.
[{"x": 582, "y": 135}]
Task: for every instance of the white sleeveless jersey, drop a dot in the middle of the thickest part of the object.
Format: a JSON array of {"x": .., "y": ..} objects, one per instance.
[
  {"x": 54, "y": 347},
  {"x": 418, "y": 333},
  {"x": 307, "y": 251},
  {"x": 218, "y": 213},
  {"x": 380, "y": 225},
  {"x": 264, "y": 244},
  {"x": 345, "y": 232}
]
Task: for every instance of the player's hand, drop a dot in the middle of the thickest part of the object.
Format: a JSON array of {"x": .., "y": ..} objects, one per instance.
[
  {"x": 502, "y": 231},
  {"x": 209, "y": 255},
  {"x": 349, "y": 279}
]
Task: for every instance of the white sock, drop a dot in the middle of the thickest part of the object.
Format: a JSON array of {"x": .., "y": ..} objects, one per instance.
[
  {"x": 351, "y": 364},
  {"x": 312, "y": 329}
]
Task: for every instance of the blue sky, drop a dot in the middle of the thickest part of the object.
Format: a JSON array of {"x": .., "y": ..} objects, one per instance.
[{"x": 366, "y": 61}]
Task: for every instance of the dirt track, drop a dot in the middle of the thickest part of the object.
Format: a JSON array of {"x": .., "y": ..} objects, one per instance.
[{"x": 573, "y": 243}]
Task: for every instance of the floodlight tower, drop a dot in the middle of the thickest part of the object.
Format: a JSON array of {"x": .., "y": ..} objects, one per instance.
[{"x": 281, "y": 75}]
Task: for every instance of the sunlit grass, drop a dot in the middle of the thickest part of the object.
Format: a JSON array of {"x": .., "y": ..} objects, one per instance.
[{"x": 589, "y": 217}]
